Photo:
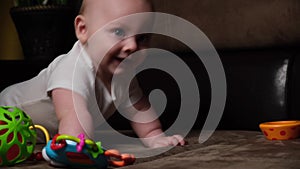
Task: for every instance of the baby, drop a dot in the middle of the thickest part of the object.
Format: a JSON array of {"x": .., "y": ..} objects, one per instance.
[{"x": 52, "y": 99}]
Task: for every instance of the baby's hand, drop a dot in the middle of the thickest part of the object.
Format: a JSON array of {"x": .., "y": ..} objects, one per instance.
[{"x": 163, "y": 141}]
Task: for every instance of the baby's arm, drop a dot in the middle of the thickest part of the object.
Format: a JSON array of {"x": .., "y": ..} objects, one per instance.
[
  {"x": 151, "y": 133},
  {"x": 65, "y": 109}
]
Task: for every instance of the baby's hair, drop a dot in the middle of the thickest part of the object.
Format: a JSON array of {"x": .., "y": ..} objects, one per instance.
[{"x": 83, "y": 4}]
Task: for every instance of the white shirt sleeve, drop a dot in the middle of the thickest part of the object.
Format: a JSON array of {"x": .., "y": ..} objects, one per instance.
[{"x": 74, "y": 72}]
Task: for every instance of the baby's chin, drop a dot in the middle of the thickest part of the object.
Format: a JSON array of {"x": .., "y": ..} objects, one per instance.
[
  {"x": 126, "y": 65},
  {"x": 120, "y": 70}
]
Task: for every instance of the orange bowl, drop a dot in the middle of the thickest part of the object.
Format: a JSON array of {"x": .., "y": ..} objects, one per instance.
[{"x": 281, "y": 130}]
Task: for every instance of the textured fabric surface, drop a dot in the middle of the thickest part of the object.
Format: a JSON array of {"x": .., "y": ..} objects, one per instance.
[{"x": 224, "y": 150}]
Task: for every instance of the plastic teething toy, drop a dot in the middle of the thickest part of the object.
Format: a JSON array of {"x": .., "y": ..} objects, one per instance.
[
  {"x": 17, "y": 136},
  {"x": 69, "y": 151}
]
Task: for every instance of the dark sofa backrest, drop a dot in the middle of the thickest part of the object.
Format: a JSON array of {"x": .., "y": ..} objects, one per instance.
[
  {"x": 15, "y": 71},
  {"x": 258, "y": 88},
  {"x": 233, "y": 24},
  {"x": 293, "y": 88}
]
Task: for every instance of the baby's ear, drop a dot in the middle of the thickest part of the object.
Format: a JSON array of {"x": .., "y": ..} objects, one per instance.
[{"x": 81, "y": 29}]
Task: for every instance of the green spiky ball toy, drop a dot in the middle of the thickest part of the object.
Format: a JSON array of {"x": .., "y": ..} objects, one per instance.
[{"x": 17, "y": 136}]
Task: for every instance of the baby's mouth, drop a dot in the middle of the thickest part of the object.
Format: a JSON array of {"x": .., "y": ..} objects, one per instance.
[
  {"x": 123, "y": 59},
  {"x": 120, "y": 59}
]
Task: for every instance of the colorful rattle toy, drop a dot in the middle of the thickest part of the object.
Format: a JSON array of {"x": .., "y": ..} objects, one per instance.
[
  {"x": 69, "y": 151},
  {"x": 17, "y": 136}
]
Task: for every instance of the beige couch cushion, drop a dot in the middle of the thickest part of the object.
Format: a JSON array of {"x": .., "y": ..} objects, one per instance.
[{"x": 239, "y": 23}]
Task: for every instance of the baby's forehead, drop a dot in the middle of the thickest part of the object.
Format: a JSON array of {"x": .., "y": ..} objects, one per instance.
[
  {"x": 100, "y": 13},
  {"x": 134, "y": 22}
]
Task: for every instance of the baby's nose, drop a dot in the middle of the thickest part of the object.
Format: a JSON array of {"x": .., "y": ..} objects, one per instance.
[{"x": 130, "y": 45}]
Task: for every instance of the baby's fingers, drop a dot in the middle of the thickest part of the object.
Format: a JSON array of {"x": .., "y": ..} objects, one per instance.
[{"x": 176, "y": 140}]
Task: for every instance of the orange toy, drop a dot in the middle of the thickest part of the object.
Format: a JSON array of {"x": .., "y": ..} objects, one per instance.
[{"x": 281, "y": 130}]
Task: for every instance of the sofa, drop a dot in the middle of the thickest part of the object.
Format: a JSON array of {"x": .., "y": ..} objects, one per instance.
[{"x": 258, "y": 44}]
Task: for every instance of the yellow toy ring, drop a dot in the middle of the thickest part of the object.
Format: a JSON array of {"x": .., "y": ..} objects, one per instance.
[{"x": 43, "y": 129}]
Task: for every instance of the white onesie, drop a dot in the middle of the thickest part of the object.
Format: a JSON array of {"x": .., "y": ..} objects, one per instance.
[{"x": 73, "y": 71}]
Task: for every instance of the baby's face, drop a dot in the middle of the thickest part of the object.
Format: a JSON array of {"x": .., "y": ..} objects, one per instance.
[{"x": 117, "y": 36}]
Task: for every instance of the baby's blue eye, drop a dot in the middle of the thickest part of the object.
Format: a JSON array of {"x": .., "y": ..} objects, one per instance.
[{"x": 119, "y": 32}]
